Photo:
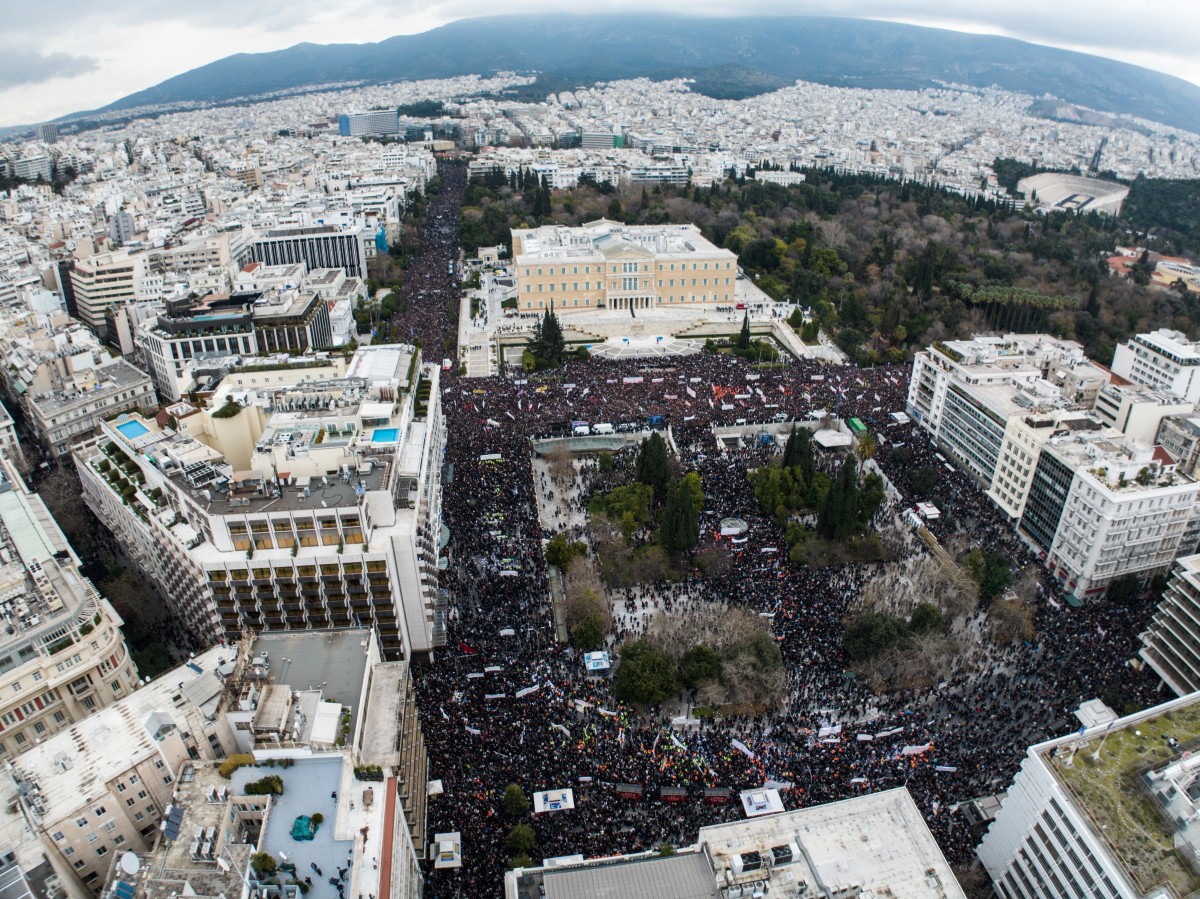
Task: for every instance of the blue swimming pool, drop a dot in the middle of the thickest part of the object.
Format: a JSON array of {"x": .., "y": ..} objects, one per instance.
[
  {"x": 385, "y": 435},
  {"x": 132, "y": 430}
]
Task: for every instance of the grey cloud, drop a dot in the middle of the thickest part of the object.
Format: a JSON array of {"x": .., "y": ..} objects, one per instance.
[
  {"x": 20, "y": 66},
  {"x": 268, "y": 15},
  {"x": 1103, "y": 24}
]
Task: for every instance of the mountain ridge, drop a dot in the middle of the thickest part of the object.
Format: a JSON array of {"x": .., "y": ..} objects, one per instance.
[{"x": 835, "y": 51}]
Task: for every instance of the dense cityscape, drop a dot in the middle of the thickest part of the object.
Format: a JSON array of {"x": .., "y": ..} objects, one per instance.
[{"x": 570, "y": 496}]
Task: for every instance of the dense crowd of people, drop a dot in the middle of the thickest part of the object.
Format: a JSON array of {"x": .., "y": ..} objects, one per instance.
[{"x": 506, "y": 703}]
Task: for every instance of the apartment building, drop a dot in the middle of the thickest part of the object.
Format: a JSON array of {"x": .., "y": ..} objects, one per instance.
[
  {"x": 317, "y": 246},
  {"x": 62, "y": 654},
  {"x": 105, "y": 786},
  {"x": 607, "y": 265},
  {"x": 1101, "y": 505},
  {"x": 1161, "y": 360},
  {"x": 1020, "y": 447},
  {"x": 1137, "y": 411},
  {"x": 309, "y": 504},
  {"x": 105, "y": 280},
  {"x": 1179, "y": 435},
  {"x": 292, "y": 321},
  {"x": 207, "y": 251},
  {"x": 965, "y": 392},
  {"x": 199, "y": 869},
  {"x": 122, "y": 323},
  {"x": 190, "y": 330},
  {"x": 33, "y": 165},
  {"x": 1067, "y": 827},
  {"x": 1171, "y": 644},
  {"x": 138, "y": 777},
  {"x": 63, "y": 416},
  {"x": 10, "y": 448},
  {"x": 330, "y": 691}
]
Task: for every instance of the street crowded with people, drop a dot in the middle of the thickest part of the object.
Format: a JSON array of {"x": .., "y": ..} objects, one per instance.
[{"x": 504, "y": 702}]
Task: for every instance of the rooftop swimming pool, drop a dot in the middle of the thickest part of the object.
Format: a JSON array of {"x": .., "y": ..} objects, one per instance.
[
  {"x": 385, "y": 435},
  {"x": 132, "y": 430}
]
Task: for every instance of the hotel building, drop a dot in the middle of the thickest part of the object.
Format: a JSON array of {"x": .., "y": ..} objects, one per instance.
[{"x": 308, "y": 497}]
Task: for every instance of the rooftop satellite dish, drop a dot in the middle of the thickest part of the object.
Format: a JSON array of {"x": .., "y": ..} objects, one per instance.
[{"x": 129, "y": 863}]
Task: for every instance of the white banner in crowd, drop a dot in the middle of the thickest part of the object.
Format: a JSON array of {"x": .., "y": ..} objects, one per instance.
[
  {"x": 743, "y": 748},
  {"x": 916, "y": 750},
  {"x": 831, "y": 731},
  {"x": 525, "y": 691}
]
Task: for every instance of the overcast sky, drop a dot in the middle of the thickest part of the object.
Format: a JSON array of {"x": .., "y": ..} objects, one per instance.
[{"x": 71, "y": 55}]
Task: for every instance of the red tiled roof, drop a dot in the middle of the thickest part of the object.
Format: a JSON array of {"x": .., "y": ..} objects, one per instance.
[{"x": 1162, "y": 457}]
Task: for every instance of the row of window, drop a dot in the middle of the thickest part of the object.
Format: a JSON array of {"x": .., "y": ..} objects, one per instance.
[
  {"x": 181, "y": 350},
  {"x": 587, "y": 301},
  {"x": 625, "y": 284},
  {"x": 628, "y": 268}
]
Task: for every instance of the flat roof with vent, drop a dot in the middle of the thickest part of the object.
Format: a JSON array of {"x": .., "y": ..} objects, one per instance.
[
  {"x": 876, "y": 842},
  {"x": 69, "y": 767},
  {"x": 675, "y": 877}
]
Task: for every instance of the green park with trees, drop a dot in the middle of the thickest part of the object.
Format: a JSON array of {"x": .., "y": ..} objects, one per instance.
[{"x": 886, "y": 268}]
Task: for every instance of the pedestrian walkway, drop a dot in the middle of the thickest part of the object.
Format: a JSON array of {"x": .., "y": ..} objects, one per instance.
[{"x": 389, "y": 830}]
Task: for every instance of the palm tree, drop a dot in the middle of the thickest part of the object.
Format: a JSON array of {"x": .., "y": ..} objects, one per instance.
[{"x": 867, "y": 446}]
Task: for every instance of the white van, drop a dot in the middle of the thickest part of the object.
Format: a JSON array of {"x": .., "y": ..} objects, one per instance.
[
  {"x": 602, "y": 429},
  {"x": 581, "y": 430}
]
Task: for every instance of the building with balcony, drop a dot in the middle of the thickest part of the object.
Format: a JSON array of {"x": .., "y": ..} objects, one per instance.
[
  {"x": 1179, "y": 435},
  {"x": 312, "y": 706},
  {"x": 607, "y": 265},
  {"x": 965, "y": 392},
  {"x": 71, "y": 412},
  {"x": 317, "y": 246},
  {"x": 1101, "y": 505},
  {"x": 1171, "y": 644},
  {"x": 292, "y": 321},
  {"x": 306, "y": 502},
  {"x": 1020, "y": 447},
  {"x": 106, "y": 785},
  {"x": 1137, "y": 411},
  {"x": 105, "y": 280},
  {"x": 10, "y": 447},
  {"x": 190, "y": 330},
  {"x": 373, "y": 122},
  {"x": 1161, "y": 360},
  {"x": 1109, "y": 811},
  {"x": 62, "y": 655}
]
